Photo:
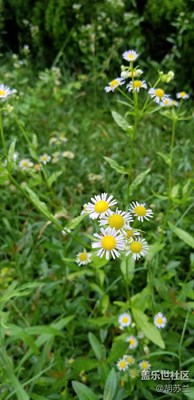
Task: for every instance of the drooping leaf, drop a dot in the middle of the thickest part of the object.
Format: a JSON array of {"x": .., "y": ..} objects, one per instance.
[
  {"x": 114, "y": 165},
  {"x": 183, "y": 235},
  {"x": 138, "y": 180},
  {"x": 120, "y": 121}
]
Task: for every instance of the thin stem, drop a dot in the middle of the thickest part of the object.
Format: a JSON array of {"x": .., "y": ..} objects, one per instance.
[
  {"x": 174, "y": 121},
  {"x": 182, "y": 337},
  {"x": 2, "y": 136}
]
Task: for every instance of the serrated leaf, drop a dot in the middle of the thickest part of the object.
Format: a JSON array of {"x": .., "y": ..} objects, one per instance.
[
  {"x": 10, "y": 156},
  {"x": 114, "y": 165},
  {"x": 120, "y": 121},
  {"x": 149, "y": 330},
  {"x": 110, "y": 386},
  {"x": 96, "y": 346},
  {"x": 183, "y": 235},
  {"x": 83, "y": 392},
  {"x": 138, "y": 180}
]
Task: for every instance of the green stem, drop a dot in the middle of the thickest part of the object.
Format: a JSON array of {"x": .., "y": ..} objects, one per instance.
[
  {"x": 174, "y": 121},
  {"x": 182, "y": 337},
  {"x": 2, "y": 136}
]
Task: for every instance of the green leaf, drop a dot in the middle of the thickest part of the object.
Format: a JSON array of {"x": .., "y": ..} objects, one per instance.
[
  {"x": 96, "y": 346},
  {"x": 183, "y": 235},
  {"x": 6, "y": 364},
  {"x": 119, "y": 348},
  {"x": 120, "y": 121},
  {"x": 190, "y": 393},
  {"x": 138, "y": 180},
  {"x": 10, "y": 156},
  {"x": 84, "y": 364},
  {"x": 114, "y": 165},
  {"x": 165, "y": 157},
  {"x": 83, "y": 392},
  {"x": 110, "y": 386},
  {"x": 128, "y": 268},
  {"x": 41, "y": 206},
  {"x": 149, "y": 329},
  {"x": 73, "y": 223},
  {"x": 53, "y": 177}
]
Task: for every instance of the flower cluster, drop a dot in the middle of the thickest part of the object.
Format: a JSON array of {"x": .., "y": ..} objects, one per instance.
[
  {"x": 156, "y": 94},
  {"x": 117, "y": 235},
  {"x": 133, "y": 337}
]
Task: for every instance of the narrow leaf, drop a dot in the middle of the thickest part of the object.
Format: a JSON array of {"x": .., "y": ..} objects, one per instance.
[
  {"x": 138, "y": 180},
  {"x": 110, "y": 386},
  {"x": 83, "y": 392},
  {"x": 149, "y": 330},
  {"x": 10, "y": 156},
  {"x": 114, "y": 165},
  {"x": 96, "y": 346},
  {"x": 183, "y": 235},
  {"x": 120, "y": 121}
]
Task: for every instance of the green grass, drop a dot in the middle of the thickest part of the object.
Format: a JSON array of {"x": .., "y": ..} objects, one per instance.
[{"x": 60, "y": 337}]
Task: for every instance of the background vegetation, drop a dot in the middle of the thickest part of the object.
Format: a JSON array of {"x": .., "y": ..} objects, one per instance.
[{"x": 60, "y": 337}]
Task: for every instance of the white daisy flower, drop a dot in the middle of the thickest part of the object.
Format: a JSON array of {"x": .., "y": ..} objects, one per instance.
[
  {"x": 130, "y": 359},
  {"x": 44, "y": 158},
  {"x": 129, "y": 233},
  {"x": 168, "y": 102},
  {"x": 5, "y": 91},
  {"x": 114, "y": 84},
  {"x": 140, "y": 211},
  {"x": 160, "y": 320},
  {"x": 182, "y": 95},
  {"x": 99, "y": 206},
  {"x": 109, "y": 242},
  {"x": 83, "y": 258},
  {"x": 138, "y": 248},
  {"x": 52, "y": 140},
  {"x": 144, "y": 365},
  {"x": 25, "y": 164},
  {"x": 158, "y": 95},
  {"x": 122, "y": 364},
  {"x": 133, "y": 342},
  {"x": 68, "y": 154},
  {"x": 136, "y": 85},
  {"x": 118, "y": 219},
  {"x": 135, "y": 73},
  {"x": 130, "y": 55},
  {"x": 124, "y": 320}
]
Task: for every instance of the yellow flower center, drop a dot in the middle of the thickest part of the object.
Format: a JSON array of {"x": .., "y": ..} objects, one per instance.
[
  {"x": 108, "y": 242},
  {"x": 182, "y": 94},
  {"x": 125, "y": 320},
  {"x": 144, "y": 365},
  {"x": 140, "y": 211},
  {"x": 114, "y": 83},
  {"x": 116, "y": 221},
  {"x": 130, "y": 360},
  {"x": 129, "y": 233},
  {"x": 159, "y": 320},
  {"x": 122, "y": 364},
  {"x": 135, "y": 247},
  {"x": 101, "y": 206},
  {"x": 132, "y": 341},
  {"x": 130, "y": 56},
  {"x": 137, "y": 84},
  {"x": 159, "y": 92},
  {"x": 83, "y": 256},
  {"x": 25, "y": 163},
  {"x": 2, "y": 93}
]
